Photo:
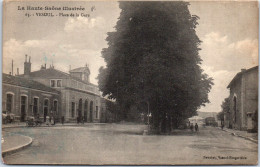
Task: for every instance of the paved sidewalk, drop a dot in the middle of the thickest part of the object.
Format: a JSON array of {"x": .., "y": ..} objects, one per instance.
[
  {"x": 244, "y": 134},
  {"x": 23, "y": 124},
  {"x": 13, "y": 142}
]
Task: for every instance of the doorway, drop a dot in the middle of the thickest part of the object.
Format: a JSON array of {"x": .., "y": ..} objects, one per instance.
[
  {"x": 86, "y": 110},
  {"x": 35, "y": 106},
  {"x": 23, "y": 108},
  {"x": 91, "y": 112},
  {"x": 80, "y": 109},
  {"x": 45, "y": 109}
]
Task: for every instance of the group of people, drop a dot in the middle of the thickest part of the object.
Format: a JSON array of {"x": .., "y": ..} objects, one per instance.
[
  {"x": 80, "y": 120},
  {"x": 196, "y": 127},
  {"x": 50, "y": 120}
]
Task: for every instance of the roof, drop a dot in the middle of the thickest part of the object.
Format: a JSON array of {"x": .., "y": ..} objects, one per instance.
[
  {"x": 27, "y": 83},
  {"x": 54, "y": 73},
  {"x": 238, "y": 75},
  {"x": 80, "y": 69},
  {"x": 49, "y": 72}
]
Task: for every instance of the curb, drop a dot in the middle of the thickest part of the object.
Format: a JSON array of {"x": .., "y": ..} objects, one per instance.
[
  {"x": 244, "y": 137},
  {"x": 248, "y": 138},
  {"x": 18, "y": 148}
]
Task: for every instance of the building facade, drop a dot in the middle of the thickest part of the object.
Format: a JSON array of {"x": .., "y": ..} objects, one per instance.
[
  {"x": 243, "y": 100},
  {"x": 24, "y": 97},
  {"x": 79, "y": 98}
]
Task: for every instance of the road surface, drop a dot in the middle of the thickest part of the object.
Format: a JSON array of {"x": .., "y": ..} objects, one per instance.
[{"x": 125, "y": 144}]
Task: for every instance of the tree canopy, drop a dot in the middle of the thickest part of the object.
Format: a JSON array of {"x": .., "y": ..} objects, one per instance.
[{"x": 152, "y": 59}]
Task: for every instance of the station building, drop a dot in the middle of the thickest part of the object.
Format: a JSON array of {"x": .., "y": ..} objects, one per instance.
[
  {"x": 24, "y": 97},
  {"x": 69, "y": 95},
  {"x": 243, "y": 100},
  {"x": 79, "y": 97}
]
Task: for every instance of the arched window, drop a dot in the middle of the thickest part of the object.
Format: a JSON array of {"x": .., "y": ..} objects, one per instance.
[
  {"x": 35, "y": 105},
  {"x": 80, "y": 108},
  {"x": 91, "y": 111},
  {"x": 45, "y": 108},
  {"x": 72, "y": 109},
  {"x": 86, "y": 110},
  {"x": 96, "y": 111},
  {"x": 23, "y": 108},
  {"x": 9, "y": 102}
]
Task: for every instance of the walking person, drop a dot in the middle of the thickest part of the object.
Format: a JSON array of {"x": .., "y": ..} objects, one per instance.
[
  {"x": 191, "y": 126},
  {"x": 222, "y": 126},
  {"x": 196, "y": 127},
  {"x": 52, "y": 120},
  {"x": 47, "y": 120}
]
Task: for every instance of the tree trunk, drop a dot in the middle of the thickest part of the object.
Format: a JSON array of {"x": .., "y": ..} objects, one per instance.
[{"x": 164, "y": 123}]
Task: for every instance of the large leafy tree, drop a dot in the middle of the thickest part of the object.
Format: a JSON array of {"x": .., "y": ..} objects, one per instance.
[{"x": 153, "y": 60}]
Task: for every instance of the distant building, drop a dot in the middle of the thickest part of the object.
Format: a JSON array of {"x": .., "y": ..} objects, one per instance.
[
  {"x": 79, "y": 98},
  {"x": 211, "y": 121},
  {"x": 196, "y": 119},
  {"x": 243, "y": 100},
  {"x": 24, "y": 97}
]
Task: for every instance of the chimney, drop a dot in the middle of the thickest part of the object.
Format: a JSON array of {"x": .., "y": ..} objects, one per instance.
[
  {"x": 17, "y": 71},
  {"x": 243, "y": 70},
  {"x": 27, "y": 66},
  {"x": 12, "y": 67},
  {"x": 45, "y": 66}
]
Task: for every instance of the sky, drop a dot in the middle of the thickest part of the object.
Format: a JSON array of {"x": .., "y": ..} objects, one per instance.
[{"x": 228, "y": 31}]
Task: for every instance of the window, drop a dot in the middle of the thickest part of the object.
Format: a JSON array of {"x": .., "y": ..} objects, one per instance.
[
  {"x": 52, "y": 83},
  {"x": 72, "y": 109},
  {"x": 83, "y": 77},
  {"x": 9, "y": 102},
  {"x": 58, "y": 83},
  {"x": 55, "y": 107},
  {"x": 23, "y": 108},
  {"x": 35, "y": 105}
]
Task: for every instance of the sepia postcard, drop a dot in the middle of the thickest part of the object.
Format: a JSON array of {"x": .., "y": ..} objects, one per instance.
[{"x": 130, "y": 82}]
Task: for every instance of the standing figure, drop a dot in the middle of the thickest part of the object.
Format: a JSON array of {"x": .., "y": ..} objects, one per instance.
[
  {"x": 196, "y": 127},
  {"x": 62, "y": 120}
]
